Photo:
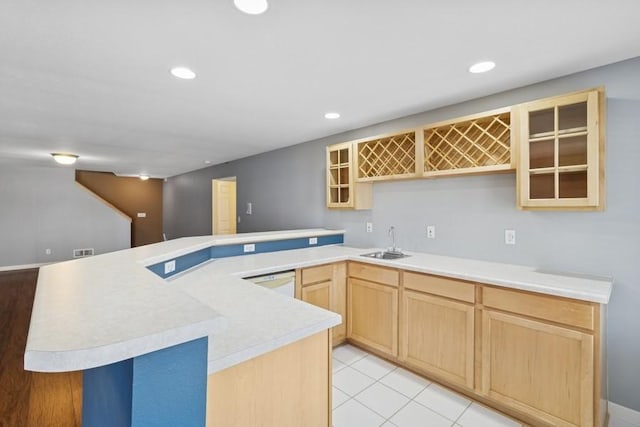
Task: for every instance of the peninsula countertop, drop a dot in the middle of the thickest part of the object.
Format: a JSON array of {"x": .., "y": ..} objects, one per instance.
[
  {"x": 242, "y": 319},
  {"x": 99, "y": 310}
]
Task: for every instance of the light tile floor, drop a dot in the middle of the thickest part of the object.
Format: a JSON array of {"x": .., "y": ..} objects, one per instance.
[{"x": 369, "y": 391}]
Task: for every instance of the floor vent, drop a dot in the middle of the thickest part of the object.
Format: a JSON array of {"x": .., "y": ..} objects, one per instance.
[{"x": 81, "y": 253}]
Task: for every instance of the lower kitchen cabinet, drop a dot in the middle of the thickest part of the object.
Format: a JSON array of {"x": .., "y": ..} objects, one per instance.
[
  {"x": 541, "y": 369},
  {"x": 541, "y": 355},
  {"x": 372, "y": 307},
  {"x": 373, "y": 315},
  {"x": 325, "y": 286},
  {"x": 437, "y": 319},
  {"x": 534, "y": 356},
  {"x": 437, "y": 336},
  {"x": 318, "y": 294}
]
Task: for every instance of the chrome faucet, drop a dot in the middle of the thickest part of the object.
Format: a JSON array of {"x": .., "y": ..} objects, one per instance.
[{"x": 392, "y": 233}]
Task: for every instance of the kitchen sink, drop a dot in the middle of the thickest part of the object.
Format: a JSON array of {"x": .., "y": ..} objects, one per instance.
[{"x": 386, "y": 255}]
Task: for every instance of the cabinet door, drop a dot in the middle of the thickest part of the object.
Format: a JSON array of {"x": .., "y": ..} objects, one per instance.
[
  {"x": 373, "y": 315},
  {"x": 561, "y": 151},
  {"x": 437, "y": 336},
  {"x": 342, "y": 190},
  {"x": 326, "y": 286},
  {"x": 541, "y": 369},
  {"x": 318, "y": 294}
]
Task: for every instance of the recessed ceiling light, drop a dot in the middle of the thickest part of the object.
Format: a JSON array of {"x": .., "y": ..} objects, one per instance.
[
  {"x": 332, "y": 116},
  {"x": 183, "y": 73},
  {"x": 206, "y": 162},
  {"x": 252, "y": 7},
  {"x": 65, "y": 158},
  {"x": 144, "y": 176},
  {"x": 482, "y": 67}
]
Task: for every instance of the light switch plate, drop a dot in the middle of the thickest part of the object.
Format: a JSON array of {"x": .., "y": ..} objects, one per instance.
[
  {"x": 369, "y": 227},
  {"x": 313, "y": 240},
  {"x": 250, "y": 247}
]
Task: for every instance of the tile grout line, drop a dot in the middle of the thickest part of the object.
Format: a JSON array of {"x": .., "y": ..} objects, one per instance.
[
  {"x": 463, "y": 412},
  {"x": 411, "y": 399}
]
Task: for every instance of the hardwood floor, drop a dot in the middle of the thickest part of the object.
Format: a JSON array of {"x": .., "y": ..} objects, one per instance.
[{"x": 29, "y": 398}]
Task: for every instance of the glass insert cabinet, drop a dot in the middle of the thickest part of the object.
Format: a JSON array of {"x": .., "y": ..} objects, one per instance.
[
  {"x": 561, "y": 158},
  {"x": 342, "y": 190}
]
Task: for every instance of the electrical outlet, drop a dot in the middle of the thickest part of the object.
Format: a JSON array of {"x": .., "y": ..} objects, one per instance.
[
  {"x": 313, "y": 240},
  {"x": 142, "y": 214},
  {"x": 509, "y": 237},
  {"x": 250, "y": 247},
  {"x": 369, "y": 227},
  {"x": 249, "y": 210},
  {"x": 170, "y": 266},
  {"x": 431, "y": 231},
  {"x": 47, "y": 251}
]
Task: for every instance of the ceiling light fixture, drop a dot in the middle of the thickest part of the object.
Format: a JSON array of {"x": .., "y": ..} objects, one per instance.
[
  {"x": 207, "y": 162},
  {"x": 183, "y": 73},
  {"x": 252, "y": 7},
  {"x": 144, "y": 176},
  {"x": 332, "y": 116},
  {"x": 65, "y": 158},
  {"x": 482, "y": 67}
]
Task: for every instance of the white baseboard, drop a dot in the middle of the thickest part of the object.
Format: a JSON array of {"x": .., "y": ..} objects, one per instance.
[
  {"x": 23, "y": 266},
  {"x": 622, "y": 413}
]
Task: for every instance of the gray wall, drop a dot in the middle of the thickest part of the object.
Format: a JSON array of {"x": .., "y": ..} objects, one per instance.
[
  {"x": 286, "y": 188},
  {"x": 44, "y": 208}
]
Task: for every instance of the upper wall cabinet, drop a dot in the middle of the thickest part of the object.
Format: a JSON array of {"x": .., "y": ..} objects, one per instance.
[
  {"x": 556, "y": 145},
  {"x": 386, "y": 157},
  {"x": 342, "y": 190},
  {"x": 561, "y": 161},
  {"x": 469, "y": 145}
]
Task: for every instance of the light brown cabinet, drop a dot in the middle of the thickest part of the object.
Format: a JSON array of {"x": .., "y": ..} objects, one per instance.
[
  {"x": 386, "y": 157},
  {"x": 477, "y": 144},
  {"x": 534, "y": 356},
  {"x": 325, "y": 286},
  {"x": 318, "y": 294},
  {"x": 561, "y": 164},
  {"x": 540, "y": 356},
  {"x": 437, "y": 327},
  {"x": 538, "y": 368},
  {"x": 556, "y": 145},
  {"x": 342, "y": 190},
  {"x": 372, "y": 307}
]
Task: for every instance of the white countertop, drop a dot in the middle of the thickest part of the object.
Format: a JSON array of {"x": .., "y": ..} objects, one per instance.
[
  {"x": 94, "y": 311},
  {"x": 110, "y": 307}
]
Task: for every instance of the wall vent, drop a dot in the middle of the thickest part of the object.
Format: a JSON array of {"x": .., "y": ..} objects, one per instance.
[{"x": 81, "y": 253}]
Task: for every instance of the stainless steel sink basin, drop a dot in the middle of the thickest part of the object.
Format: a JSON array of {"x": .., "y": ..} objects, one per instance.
[{"x": 386, "y": 255}]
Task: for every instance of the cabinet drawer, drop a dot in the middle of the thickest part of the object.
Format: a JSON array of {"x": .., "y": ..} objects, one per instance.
[
  {"x": 321, "y": 273},
  {"x": 374, "y": 273},
  {"x": 442, "y": 286},
  {"x": 555, "y": 309}
]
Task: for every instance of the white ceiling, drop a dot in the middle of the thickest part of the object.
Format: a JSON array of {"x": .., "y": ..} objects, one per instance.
[{"x": 91, "y": 76}]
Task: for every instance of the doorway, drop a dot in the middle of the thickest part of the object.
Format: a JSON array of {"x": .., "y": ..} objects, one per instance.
[{"x": 223, "y": 206}]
